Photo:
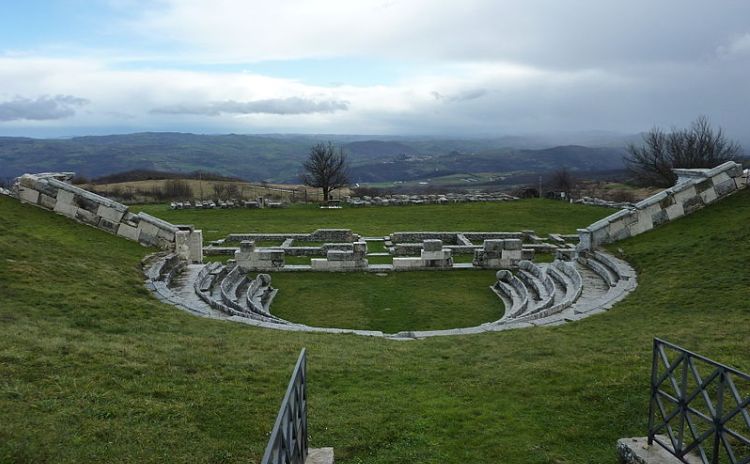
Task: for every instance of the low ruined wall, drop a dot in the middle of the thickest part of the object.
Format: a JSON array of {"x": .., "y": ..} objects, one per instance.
[
  {"x": 451, "y": 238},
  {"x": 51, "y": 191},
  {"x": 695, "y": 189},
  {"x": 320, "y": 235}
]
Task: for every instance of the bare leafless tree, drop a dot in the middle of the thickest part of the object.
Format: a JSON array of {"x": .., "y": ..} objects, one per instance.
[
  {"x": 699, "y": 146},
  {"x": 563, "y": 180},
  {"x": 326, "y": 168}
]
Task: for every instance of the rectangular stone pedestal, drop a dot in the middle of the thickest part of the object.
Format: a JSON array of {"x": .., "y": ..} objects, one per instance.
[
  {"x": 637, "y": 451},
  {"x": 319, "y": 456}
]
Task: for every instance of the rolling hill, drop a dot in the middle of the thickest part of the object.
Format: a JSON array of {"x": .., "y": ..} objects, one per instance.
[{"x": 278, "y": 158}]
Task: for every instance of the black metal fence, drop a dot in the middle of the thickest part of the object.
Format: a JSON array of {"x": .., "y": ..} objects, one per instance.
[
  {"x": 697, "y": 409},
  {"x": 288, "y": 442}
]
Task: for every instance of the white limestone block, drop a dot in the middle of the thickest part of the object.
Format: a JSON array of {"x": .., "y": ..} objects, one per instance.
[
  {"x": 514, "y": 244},
  {"x": 432, "y": 245},
  {"x": 66, "y": 209},
  {"x": 512, "y": 255},
  {"x": 65, "y": 197},
  {"x": 675, "y": 211},
  {"x": 110, "y": 214},
  {"x": 128, "y": 232},
  {"x": 403, "y": 264},
  {"x": 685, "y": 193},
  {"x": 28, "y": 195},
  {"x": 709, "y": 196},
  {"x": 47, "y": 201},
  {"x": 437, "y": 255}
]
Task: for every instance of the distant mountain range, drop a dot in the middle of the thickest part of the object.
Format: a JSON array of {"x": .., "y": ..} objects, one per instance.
[{"x": 278, "y": 158}]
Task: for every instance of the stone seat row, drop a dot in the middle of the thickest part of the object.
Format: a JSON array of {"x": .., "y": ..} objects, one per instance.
[
  {"x": 554, "y": 293},
  {"x": 229, "y": 290},
  {"x": 535, "y": 291}
]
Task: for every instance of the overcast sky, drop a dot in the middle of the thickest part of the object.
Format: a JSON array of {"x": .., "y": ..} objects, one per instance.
[{"x": 469, "y": 67}]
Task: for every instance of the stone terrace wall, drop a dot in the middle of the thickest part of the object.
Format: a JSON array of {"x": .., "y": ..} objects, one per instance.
[
  {"x": 695, "y": 189},
  {"x": 51, "y": 191}
]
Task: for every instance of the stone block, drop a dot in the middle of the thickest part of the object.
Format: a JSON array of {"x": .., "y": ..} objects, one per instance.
[
  {"x": 675, "y": 211},
  {"x": 599, "y": 236},
  {"x": 47, "y": 201},
  {"x": 269, "y": 255},
  {"x": 318, "y": 264},
  {"x": 566, "y": 254},
  {"x": 340, "y": 255},
  {"x": 660, "y": 217},
  {"x": 720, "y": 178},
  {"x": 359, "y": 248},
  {"x": 87, "y": 216},
  {"x": 528, "y": 254},
  {"x": 432, "y": 245},
  {"x": 65, "y": 197},
  {"x": 403, "y": 264},
  {"x": 725, "y": 188},
  {"x": 512, "y": 255},
  {"x": 692, "y": 204},
  {"x": 437, "y": 255},
  {"x": 494, "y": 245},
  {"x": 107, "y": 225},
  {"x": 585, "y": 239},
  {"x": 147, "y": 232},
  {"x": 166, "y": 235},
  {"x": 28, "y": 195},
  {"x": 513, "y": 244},
  {"x": 685, "y": 194},
  {"x": 181, "y": 244},
  {"x": 616, "y": 226},
  {"x": 709, "y": 195},
  {"x": 638, "y": 451},
  {"x": 128, "y": 232},
  {"x": 110, "y": 214},
  {"x": 66, "y": 209},
  {"x": 195, "y": 245},
  {"x": 247, "y": 246}
]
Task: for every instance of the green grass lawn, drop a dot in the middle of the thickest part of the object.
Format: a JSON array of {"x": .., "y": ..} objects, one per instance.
[
  {"x": 298, "y": 260},
  {"x": 399, "y": 301},
  {"x": 376, "y": 246},
  {"x": 94, "y": 369},
  {"x": 543, "y": 216}
]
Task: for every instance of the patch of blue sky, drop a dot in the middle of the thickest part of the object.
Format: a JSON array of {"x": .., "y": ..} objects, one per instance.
[
  {"x": 326, "y": 72},
  {"x": 50, "y": 25}
]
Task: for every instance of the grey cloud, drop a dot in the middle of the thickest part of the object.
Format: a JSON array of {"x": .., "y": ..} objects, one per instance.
[
  {"x": 282, "y": 106},
  {"x": 40, "y": 109},
  {"x": 465, "y": 95}
]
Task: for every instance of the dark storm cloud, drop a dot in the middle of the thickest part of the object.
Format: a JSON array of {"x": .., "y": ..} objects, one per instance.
[
  {"x": 40, "y": 109},
  {"x": 282, "y": 106}
]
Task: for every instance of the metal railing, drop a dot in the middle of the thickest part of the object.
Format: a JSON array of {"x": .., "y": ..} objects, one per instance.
[
  {"x": 288, "y": 441},
  {"x": 697, "y": 411}
]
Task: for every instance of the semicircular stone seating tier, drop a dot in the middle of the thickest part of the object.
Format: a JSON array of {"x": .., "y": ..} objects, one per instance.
[{"x": 536, "y": 294}]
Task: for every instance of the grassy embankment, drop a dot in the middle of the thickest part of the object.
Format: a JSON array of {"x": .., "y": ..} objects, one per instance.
[
  {"x": 543, "y": 216},
  {"x": 92, "y": 368}
]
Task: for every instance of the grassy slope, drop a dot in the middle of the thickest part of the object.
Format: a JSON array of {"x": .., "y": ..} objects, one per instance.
[
  {"x": 541, "y": 215},
  {"x": 93, "y": 369}
]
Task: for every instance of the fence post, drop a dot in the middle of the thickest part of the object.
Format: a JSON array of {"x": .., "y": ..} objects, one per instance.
[{"x": 654, "y": 388}]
